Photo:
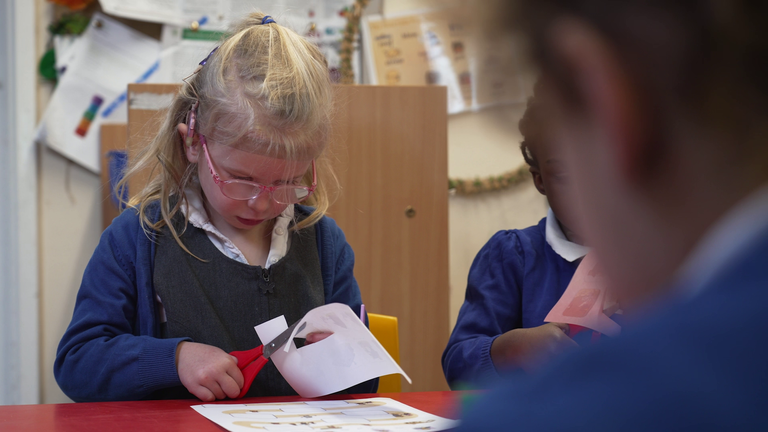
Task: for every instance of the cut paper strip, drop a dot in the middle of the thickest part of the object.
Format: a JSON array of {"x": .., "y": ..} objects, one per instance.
[
  {"x": 586, "y": 300},
  {"x": 349, "y": 356}
]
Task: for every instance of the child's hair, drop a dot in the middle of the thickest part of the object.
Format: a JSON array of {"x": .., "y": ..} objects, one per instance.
[
  {"x": 264, "y": 90},
  {"x": 705, "y": 59},
  {"x": 530, "y": 129}
]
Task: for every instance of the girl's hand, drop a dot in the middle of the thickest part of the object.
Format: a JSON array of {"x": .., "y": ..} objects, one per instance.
[
  {"x": 316, "y": 337},
  {"x": 531, "y": 348},
  {"x": 208, "y": 372}
]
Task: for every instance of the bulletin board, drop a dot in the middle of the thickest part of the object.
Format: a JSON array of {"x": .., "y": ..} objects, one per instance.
[{"x": 443, "y": 47}]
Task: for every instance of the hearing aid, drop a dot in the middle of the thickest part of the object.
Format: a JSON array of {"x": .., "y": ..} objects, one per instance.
[{"x": 191, "y": 120}]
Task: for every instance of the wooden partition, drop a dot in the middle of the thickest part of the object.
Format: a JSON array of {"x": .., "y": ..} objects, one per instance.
[
  {"x": 390, "y": 147},
  {"x": 391, "y": 144}
]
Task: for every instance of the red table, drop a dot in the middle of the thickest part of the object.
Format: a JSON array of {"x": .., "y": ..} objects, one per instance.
[{"x": 174, "y": 415}]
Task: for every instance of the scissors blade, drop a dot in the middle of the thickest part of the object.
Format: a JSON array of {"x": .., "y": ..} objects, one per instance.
[{"x": 281, "y": 339}]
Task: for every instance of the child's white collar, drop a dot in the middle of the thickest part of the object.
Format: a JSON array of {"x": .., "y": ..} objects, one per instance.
[
  {"x": 567, "y": 249},
  {"x": 194, "y": 209}
]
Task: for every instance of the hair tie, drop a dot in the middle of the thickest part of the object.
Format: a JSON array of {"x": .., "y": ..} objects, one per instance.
[
  {"x": 205, "y": 60},
  {"x": 267, "y": 19}
]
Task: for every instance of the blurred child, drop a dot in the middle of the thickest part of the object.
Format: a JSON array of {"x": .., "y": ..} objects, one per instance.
[
  {"x": 661, "y": 111},
  {"x": 517, "y": 277},
  {"x": 217, "y": 242}
]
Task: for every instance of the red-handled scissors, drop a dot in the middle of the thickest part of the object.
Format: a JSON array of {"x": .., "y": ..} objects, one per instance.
[{"x": 253, "y": 360}]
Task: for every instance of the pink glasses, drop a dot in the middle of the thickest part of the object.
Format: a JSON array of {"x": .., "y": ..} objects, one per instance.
[{"x": 246, "y": 190}]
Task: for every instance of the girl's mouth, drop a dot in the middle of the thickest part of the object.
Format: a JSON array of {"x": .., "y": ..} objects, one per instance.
[{"x": 249, "y": 222}]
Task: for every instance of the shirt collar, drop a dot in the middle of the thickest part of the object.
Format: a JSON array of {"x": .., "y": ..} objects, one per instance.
[
  {"x": 194, "y": 209},
  {"x": 567, "y": 249},
  {"x": 724, "y": 242}
]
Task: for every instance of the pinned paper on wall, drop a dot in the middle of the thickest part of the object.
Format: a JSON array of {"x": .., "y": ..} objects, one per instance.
[
  {"x": 220, "y": 14},
  {"x": 101, "y": 63},
  {"x": 587, "y": 301},
  {"x": 178, "y": 12},
  {"x": 193, "y": 27},
  {"x": 349, "y": 356},
  {"x": 374, "y": 414},
  {"x": 442, "y": 47}
]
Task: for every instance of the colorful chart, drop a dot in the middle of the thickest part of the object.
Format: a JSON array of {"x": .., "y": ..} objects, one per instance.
[{"x": 88, "y": 115}]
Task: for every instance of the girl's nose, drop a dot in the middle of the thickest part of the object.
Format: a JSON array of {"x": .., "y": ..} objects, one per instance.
[{"x": 261, "y": 203}]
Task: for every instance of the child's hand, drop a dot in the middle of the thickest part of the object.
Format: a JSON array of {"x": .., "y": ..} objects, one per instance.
[
  {"x": 316, "y": 337},
  {"x": 531, "y": 348},
  {"x": 208, "y": 372}
]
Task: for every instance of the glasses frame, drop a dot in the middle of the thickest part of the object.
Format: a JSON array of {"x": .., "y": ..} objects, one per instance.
[{"x": 260, "y": 187}]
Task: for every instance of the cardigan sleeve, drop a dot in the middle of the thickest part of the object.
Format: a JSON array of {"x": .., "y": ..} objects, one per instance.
[
  {"x": 103, "y": 356},
  {"x": 491, "y": 307}
]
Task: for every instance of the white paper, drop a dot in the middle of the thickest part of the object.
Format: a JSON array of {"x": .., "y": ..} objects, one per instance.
[
  {"x": 177, "y": 12},
  {"x": 349, "y": 356},
  {"x": 65, "y": 47},
  {"x": 375, "y": 414},
  {"x": 107, "y": 57},
  {"x": 182, "y": 51}
]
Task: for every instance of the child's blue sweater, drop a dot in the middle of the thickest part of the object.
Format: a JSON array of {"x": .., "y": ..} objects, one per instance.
[
  {"x": 514, "y": 282},
  {"x": 112, "y": 349}
]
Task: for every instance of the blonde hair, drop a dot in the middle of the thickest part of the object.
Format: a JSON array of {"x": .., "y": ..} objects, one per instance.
[{"x": 265, "y": 90}]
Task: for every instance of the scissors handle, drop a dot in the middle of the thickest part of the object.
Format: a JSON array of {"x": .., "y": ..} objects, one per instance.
[{"x": 250, "y": 363}]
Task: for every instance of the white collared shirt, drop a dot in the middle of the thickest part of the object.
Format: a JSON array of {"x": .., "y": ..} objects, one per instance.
[
  {"x": 567, "y": 249},
  {"x": 723, "y": 244},
  {"x": 194, "y": 209}
]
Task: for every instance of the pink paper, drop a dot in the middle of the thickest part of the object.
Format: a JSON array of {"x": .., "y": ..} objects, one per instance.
[{"x": 586, "y": 300}]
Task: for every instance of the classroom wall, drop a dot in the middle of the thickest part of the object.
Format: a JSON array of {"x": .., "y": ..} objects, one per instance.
[{"x": 480, "y": 144}]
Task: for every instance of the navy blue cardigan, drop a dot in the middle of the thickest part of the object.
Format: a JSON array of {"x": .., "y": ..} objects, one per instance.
[
  {"x": 112, "y": 349},
  {"x": 514, "y": 282}
]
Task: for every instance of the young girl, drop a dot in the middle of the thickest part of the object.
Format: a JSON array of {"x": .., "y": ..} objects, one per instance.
[
  {"x": 517, "y": 277},
  {"x": 217, "y": 242}
]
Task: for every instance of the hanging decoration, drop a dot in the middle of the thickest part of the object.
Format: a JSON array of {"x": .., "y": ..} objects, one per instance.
[
  {"x": 351, "y": 32},
  {"x": 489, "y": 184}
]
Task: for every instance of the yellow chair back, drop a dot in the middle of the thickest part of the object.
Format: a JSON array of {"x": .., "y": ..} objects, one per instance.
[{"x": 384, "y": 328}]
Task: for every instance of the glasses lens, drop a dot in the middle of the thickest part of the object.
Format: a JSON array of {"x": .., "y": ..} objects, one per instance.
[
  {"x": 290, "y": 194},
  {"x": 240, "y": 190}
]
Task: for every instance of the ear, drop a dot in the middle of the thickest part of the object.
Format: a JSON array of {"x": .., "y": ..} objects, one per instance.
[
  {"x": 193, "y": 150},
  {"x": 611, "y": 100},
  {"x": 538, "y": 180}
]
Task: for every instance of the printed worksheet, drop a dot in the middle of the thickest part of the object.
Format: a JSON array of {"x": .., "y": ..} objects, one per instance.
[{"x": 375, "y": 414}]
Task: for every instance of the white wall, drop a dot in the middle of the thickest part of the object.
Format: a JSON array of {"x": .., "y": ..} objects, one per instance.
[{"x": 70, "y": 226}]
